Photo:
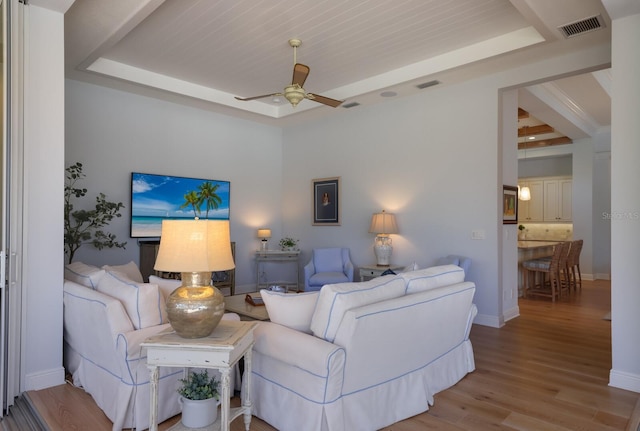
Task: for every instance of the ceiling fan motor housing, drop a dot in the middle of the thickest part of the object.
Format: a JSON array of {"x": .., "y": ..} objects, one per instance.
[{"x": 294, "y": 94}]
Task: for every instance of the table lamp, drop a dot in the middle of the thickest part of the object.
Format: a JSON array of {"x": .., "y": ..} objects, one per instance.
[
  {"x": 195, "y": 248},
  {"x": 264, "y": 234},
  {"x": 383, "y": 224}
]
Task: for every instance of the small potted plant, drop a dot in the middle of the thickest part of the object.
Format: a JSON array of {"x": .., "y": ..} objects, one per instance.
[
  {"x": 199, "y": 396},
  {"x": 288, "y": 244},
  {"x": 521, "y": 234}
]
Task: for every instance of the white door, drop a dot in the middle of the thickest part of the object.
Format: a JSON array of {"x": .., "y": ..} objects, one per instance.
[{"x": 10, "y": 202}]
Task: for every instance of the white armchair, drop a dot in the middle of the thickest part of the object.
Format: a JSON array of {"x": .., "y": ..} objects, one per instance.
[{"x": 327, "y": 266}]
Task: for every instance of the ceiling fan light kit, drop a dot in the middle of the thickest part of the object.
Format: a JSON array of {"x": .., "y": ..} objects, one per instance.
[{"x": 295, "y": 92}]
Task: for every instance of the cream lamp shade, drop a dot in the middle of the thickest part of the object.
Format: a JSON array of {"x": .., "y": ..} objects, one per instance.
[
  {"x": 383, "y": 224},
  {"x": 195, "y": 248},
  {"x": 264, "y": 234}
]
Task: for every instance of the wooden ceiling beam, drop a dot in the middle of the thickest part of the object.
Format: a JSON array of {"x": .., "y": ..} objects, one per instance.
[
  {"x": 522, "y": 114},
  {"x": 535, "y": 130},
  {"x": 545, "y": 143}
]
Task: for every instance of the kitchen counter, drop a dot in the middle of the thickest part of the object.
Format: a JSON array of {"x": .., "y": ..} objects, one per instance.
[{"x": 527, "y": 245}]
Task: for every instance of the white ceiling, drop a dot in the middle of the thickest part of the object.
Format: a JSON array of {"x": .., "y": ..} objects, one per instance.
[{"x": 205, "y": 52}]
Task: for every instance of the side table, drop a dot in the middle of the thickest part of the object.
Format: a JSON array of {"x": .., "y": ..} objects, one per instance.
[
  {"x": 277, "y": 256},
  {"x": 230, "y": 341},
  {"x": 368, "y": 272}
]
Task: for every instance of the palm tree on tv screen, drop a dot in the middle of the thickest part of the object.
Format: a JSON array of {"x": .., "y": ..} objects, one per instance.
[
  {"x": 193, "y": 200},
  {"x": 207, "y": 195}
]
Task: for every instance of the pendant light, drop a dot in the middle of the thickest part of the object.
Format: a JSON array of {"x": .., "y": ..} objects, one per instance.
[{"x": 524, "y": 194}]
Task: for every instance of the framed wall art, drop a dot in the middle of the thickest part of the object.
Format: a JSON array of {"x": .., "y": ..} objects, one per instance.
[
  {"x": 509, "y": 205},
  {"x": 326, "y": 201}
]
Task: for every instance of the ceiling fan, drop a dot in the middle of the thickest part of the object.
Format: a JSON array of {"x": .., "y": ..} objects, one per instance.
[{"x": 295, "y": 92}]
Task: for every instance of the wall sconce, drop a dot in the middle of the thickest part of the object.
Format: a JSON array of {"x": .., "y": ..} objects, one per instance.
[
  {"x": 195, "y": 248},
  {"x": 264, "y": 234},
  {"x": 383, "y": 224}
]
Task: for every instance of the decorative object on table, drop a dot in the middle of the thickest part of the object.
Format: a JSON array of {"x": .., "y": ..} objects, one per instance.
[
  {"x": 288, "y": 244},
  {"x": 264, "y": 234},
  {"x": 165, "y": 197},
  {"x": 85, "y": 226},
  {"x": 255, "y": 300},
  {"x": 280, "y": 288},
  {"x": 509, "y": 204},
  {"x": 195, "y": 248},
  {"x": 199, "y": 396},
  {"x": 383, "y": 224},
  {"x": 326, "y": 201},
  {"x": 521, "y": 235}
]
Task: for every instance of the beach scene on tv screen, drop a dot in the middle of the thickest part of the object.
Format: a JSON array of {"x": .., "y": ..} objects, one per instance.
[{"x": 160, "y": 197}]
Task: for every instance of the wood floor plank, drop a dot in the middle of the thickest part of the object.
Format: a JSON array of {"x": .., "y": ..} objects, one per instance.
[{"x": 547, "y": 369}]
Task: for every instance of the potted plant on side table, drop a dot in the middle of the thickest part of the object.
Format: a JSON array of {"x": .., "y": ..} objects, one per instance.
[
  {"x": 288, "y": 244},
  {"x": 199, "y": 396}
]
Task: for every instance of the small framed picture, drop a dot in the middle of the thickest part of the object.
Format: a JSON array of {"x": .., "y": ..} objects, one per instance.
[
  {"x": 326, "y": 201},
  {"x": 509, "y": 205}
]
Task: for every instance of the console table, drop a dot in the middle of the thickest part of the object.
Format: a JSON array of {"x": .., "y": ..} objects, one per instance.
[
  {"x": 227, "y": 344},
  {"x": 368, "y": 272},
  {"x": 278, "y": 256}
]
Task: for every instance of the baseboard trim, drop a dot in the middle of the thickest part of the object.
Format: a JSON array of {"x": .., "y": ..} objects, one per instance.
[
  {"x": 487, "y": 320},
  {"x": 622, "y": 380},
  {"x": 44, "y": 379},
  {"x": 511, "y": 313}
]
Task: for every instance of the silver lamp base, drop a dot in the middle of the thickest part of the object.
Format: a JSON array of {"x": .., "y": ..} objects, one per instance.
[{"x": 196, "y": 307}]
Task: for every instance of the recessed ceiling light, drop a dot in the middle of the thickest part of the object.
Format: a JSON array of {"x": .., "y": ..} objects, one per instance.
[{"x": 388, "y": 94}]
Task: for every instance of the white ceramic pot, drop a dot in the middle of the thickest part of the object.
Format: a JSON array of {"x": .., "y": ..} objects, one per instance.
[{"x": 199, "y": 413}]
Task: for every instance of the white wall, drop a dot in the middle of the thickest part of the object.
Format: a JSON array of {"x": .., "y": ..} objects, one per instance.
[
  {"x": 43, "y": 163},
  {"x": 114, "y": 133},
  {"x": 625, "y": 204}
]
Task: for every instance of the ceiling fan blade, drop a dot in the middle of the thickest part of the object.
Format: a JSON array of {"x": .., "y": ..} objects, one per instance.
[
  {"x": 246, "y": 99},
  {"x": 324, "y": 100},
  {"x": 300, "y": 73}
]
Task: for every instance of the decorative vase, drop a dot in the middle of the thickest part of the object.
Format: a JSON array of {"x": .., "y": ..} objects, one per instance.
[{"x": 199, "y": 413}]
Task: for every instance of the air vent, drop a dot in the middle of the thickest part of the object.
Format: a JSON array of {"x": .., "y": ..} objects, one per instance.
[
  {"x": 583, "y": 26},
  {"x": 350, "y": 105},
  {"x": 428, "y": 84}
]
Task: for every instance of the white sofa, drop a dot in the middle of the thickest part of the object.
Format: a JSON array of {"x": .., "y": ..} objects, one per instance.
[
  {"x": 108, "y": 312},
  {"x": 362, "y": 356}
]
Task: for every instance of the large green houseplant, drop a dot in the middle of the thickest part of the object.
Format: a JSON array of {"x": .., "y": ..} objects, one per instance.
[{"x": 86, "y": 226}]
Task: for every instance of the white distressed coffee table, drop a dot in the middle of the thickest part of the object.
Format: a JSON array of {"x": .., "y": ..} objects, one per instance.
[{"x": 237, "y": 304}]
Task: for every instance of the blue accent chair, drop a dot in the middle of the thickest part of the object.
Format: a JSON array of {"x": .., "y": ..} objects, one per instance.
[
  {"x": 327, "y": 266},
  {"x": 453, "y": 259}
]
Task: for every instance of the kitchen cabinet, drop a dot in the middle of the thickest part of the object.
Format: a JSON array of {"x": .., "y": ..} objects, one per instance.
[
  {"x": 558, "y": 200},
  {"x": 531, "y": 210},
  {"x": 551, "y": 200}
]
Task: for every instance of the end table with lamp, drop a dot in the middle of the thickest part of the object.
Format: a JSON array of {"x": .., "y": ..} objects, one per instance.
[{"x": 228, "y": 343}]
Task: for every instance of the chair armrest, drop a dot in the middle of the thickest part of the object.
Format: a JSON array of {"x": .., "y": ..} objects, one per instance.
[
  {"x": 309, "y": 270},
  {"x": 348, "y": 270}
]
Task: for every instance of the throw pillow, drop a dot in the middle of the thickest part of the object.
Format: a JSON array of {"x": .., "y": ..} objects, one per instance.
[
  {"x": 81, "y": 273},
  {"x": 129, "y": 270},
  {"x": 143, "y": 301},
  {"x": 293, "y": 310},
  {"x": 336, "y": 299},
  {"x": 430, "y": 278},
  {"x": 166, "y": 285},
  {"x": 413, "y": 267}
]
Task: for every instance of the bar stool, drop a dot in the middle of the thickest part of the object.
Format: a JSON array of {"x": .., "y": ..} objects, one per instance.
[
  {"x": 544, "y": 268},
  {"x": 573, "y": 264}
]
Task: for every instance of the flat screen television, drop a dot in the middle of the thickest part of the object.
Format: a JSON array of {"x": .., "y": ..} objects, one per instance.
[{"x": 159, "y": 197}]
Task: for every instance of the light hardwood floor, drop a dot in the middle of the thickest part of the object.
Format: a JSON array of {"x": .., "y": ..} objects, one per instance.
[{"x": 545, "y": 370}]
